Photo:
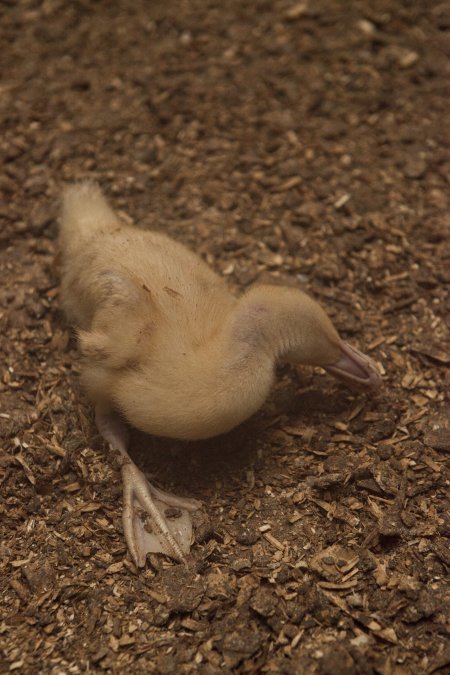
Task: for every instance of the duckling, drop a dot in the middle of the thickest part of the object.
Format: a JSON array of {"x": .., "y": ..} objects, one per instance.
[{"x": 167, "y": 348}]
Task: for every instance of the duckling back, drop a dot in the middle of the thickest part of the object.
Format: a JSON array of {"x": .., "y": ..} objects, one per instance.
[{"x": 112, "y": 268}]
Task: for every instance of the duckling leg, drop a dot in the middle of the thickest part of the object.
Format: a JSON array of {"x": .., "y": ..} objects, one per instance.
[{"x": 153, "y": 521}]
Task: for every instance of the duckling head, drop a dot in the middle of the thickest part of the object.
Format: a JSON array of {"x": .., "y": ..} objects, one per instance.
[{"x": 294, "y": 328}]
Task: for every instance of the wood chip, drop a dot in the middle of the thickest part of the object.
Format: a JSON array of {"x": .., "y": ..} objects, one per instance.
[
  {"x": 272, "y": 540},
  {"x": 287, "y": 185},
  {"x": 296, "y": 11},
  {"x": 343, "y": 586}
]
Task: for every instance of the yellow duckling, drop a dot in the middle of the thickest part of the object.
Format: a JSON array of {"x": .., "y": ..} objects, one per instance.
[{"x": 166, "y": 345}]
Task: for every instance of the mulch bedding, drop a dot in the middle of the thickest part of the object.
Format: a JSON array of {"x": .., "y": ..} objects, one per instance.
[{"x": 298, "y": 142}]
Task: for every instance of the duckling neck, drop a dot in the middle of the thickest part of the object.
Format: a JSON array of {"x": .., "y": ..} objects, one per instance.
[
  {"x": 237, "y": 379},
  {"x": 241, "y": 359}
]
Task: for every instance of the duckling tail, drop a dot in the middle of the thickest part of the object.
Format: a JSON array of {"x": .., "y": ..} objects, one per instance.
[{"x": 85, "y": 212}]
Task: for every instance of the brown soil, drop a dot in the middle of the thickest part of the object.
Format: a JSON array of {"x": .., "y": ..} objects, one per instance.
[{"x": 305, "y": 142}]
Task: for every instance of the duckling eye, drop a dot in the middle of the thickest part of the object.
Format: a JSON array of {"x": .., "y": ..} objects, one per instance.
[{"x": 247, "y": 327}]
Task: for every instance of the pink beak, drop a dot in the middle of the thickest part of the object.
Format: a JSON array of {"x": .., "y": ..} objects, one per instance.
[{"x": 355, "y": 368}]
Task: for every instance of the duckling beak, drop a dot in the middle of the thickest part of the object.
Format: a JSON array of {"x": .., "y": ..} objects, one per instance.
[{"x": 355, "y": 368}]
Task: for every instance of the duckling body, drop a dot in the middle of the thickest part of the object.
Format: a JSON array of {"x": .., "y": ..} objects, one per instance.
[
  {"x": 151, "y": 334},
  {"x": 166, "y": 344}
]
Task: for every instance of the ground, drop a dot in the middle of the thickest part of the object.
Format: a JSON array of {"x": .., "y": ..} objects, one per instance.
[{"x": 303, "y": 142}]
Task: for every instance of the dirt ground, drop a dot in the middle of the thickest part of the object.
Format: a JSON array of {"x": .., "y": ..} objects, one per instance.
[{"x": 305, "y": 142}]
